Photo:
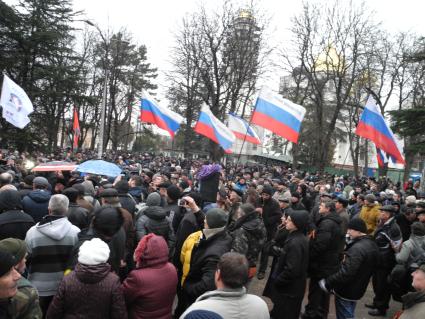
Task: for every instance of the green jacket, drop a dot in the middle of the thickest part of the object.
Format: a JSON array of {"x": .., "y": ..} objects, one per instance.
[{"x": 25, "y": 304}]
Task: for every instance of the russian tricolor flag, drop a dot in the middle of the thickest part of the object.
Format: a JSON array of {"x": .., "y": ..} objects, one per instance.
[
  {"x": 152, "y": 112},
  {"x": 278, "y": 115},
  {"x": 373, "y": 127},
  {"x": 209, "y": 126},
  {"x": 242, "y": 129}
]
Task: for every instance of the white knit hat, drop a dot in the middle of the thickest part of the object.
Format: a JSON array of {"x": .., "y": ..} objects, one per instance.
[{"x": 93, "y": 252}]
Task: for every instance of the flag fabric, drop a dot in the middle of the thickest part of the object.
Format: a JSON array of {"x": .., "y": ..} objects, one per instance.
[
  {"x": 152, "y": 112},
  {"x": 278, "y": 115},
  {"x": 211, "y": 127},
  {"x": 76, "y": 129},
  {"x": 381, "y": 157},
  {"x": 242, "y": 129},
  {"x": 15, "y": 103},
  {"x": 372, "y": 126}
]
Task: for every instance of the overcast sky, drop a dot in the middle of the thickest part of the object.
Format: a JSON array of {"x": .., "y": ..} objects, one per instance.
[{"x": 151, "y": 22}]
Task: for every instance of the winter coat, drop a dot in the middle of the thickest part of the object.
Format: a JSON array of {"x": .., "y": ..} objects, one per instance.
[
  {"x": 36, "y": 204},
  {"x": 78, "y": 216},
  {"x": 413, "y": 305},
  {"x": 249, "y": 236},
  {"x": 360, "y": 260},
  {"x": 186, "y": 253},
  {"x": 386, "y": 236},
  {"x": 271, "y": 216},
  {"x": 50, "y": 244},
  {"x": 203, "y": 264},
  {"x": 171, "y": 210},
  {"x": 15, "y": 224},
  {"x": 89, "y": 292},
  {"x": 231, "y": 304},
  {"x": 325, "y": 246},
  {"x": 370, "y": 216},
  {"x": 150, "y": 289},
  {"x": 154, "y": 220},
  {"x": 191, "y": 222},
  {"x": 25, "y": 190},
  {"x": 404, "y": 225},
  {"x": 290, "y": 273},
  {"x": 25, "y": 305},
  {"x": 410, "y": 249}
]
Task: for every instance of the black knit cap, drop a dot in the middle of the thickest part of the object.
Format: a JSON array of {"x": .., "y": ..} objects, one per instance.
[
  {"x": 9, "y": 200},
  {"x": 7, "y": 261},
  {"x": 357, "y": 224},
  {"x": 299, "y": 218},
  {"x": 267, "y": 189},
  {"x": 173, "y": 192}
]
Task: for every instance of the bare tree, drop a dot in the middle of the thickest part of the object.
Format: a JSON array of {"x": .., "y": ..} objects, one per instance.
[
  {"x": 225, "y": 51},
  {"x": 330, "y": 43}
]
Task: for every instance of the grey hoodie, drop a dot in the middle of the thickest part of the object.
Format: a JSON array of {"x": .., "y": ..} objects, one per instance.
[{"x": 50, "y": 245}]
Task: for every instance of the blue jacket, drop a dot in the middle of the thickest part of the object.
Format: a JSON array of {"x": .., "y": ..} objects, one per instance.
[{"x": 36, "y": 203}]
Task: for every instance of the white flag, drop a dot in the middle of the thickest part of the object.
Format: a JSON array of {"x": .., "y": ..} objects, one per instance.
[{"x": 16, "y": 103}]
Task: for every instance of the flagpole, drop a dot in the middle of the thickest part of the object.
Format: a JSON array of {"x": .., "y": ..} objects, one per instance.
[{"x": 244, "y": 138}]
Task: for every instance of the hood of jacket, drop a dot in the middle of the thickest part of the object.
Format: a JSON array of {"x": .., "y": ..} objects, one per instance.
[
  {"x": 92, "y": 274},
  {"x": 224, "y": 294},
  {"x": 39, "y": 196},
  {"x": 151, "y": 252},
  {"x": 155, "y": 212},
  {"x": 55, "y": 229},
  {"x": 332, "y": 216}
]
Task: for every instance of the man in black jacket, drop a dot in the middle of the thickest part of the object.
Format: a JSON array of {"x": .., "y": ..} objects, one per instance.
[
  {"x": 325, "y": 246},
  {"x": 388, "y": 238},
  {"x": 213, "y": 243},
  {"x": 350, "y": 282},
  {"x": 13, "y": 221},
  {"x": 290, "y": 274},
  {"x": 270, "y": 211},
  {"x": 76, "y": 214}
]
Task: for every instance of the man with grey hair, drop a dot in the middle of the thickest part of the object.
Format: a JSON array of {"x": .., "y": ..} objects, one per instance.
[{"x": 50, "y": 243}]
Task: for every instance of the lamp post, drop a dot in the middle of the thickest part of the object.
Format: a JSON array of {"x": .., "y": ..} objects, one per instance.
[{"x": 105, "y": 85}]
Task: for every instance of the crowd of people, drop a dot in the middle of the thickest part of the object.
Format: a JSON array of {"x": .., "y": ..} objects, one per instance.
[{"x": 179, "y": 238}]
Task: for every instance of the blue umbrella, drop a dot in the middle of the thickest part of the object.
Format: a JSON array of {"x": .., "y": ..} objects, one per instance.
[{"x": 99, "y": 167}]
